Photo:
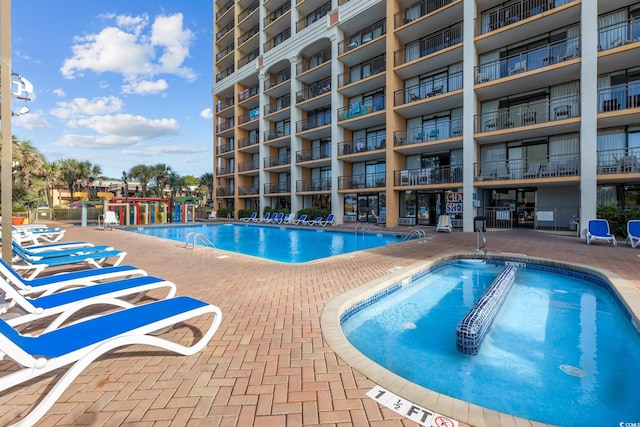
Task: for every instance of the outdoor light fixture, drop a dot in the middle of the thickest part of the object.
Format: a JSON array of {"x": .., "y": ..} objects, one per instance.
[{"x": 22, "y": 111}]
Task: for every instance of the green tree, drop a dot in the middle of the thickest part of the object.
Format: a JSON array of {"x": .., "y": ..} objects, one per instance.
[
  {"x": 206, "y": 181},
  {"x": 143, "y": 174},
  {"x": 77, "y": 175},
  {"x": 161, "y": 174}
]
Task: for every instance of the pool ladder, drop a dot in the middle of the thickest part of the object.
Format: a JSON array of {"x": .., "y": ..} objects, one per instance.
[
  {"x": 418, "y": 234},
  {"x": 360, "y": 227},
  {"x": 193, "y": 238},
  {"x": 481, "y": 242}
]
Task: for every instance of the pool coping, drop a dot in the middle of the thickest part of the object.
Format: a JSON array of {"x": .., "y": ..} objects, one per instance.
[{"x": 460, "y": 410}]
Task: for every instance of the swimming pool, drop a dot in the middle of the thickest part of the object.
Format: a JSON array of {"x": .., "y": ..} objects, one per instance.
[
  {"x": 286, "y": 244},
  {"x": 560, "y": 351}
]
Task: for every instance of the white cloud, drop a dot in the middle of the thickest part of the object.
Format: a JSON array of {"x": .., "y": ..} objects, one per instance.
[
  {"x": 135, "y": 52},
  {"x": 31, "y": 120},
  {"x": 95, "y": 141},
  {"x": 130, "y": 126},
  {"x": 82, "y": 107},
  {"x": 167, "y": 149},
  {"x": 145, "y": 87},
  {"x": 207, "y": 113},
  {"x": 59, "y": 92}
]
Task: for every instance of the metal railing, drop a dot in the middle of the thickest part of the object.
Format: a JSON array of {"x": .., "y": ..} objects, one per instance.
[
  {"x": 319, "y": 184},
  {"x": 361, "y": 145},
  {"x": 365, "y": 35},
  {"x": 565, "y": 165},
  {"x": 429, "y": 44},
  {"x": 314, "y": 89},
  {"x": 313, "y": 61},
  {"x": 442, "y": 129},
  {"x": 359, "y": 109},
  {"x": 362, "y": 71},
  {"x": 323, "y": 152},
  {"x": 280, "y": 160},
  {"x": 495, "y": 19},
  {"x": 418, "y": 10},
  {"x": 359, "y": 181},
  {"x": 620, "y": 160},
  {"x": 428, "y": 89},
  {"x": 619, "y": 97},
  {"x": 619, "y": 34},
  {"x": 427, "y": 176}
]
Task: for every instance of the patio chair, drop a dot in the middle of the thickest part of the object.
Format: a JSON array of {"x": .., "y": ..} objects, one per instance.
[
  {"x": 289, "y": 219},
  {"x": 533, "y": 171},
  {"x": 277, "y": 218},
  {"x": 266, "y": 218},
  {"x": 40, "y": 252},
  {"x": 20, "y": 309},
  {"x": 33, "y": 267},
  {"x": 598, "y": 229},
  {"x": 77, "y": 345},
  {"x": 633, "y": 233},
  {"x": 444, "y": 224},
  {"x": 110, "y": 220},
  {"x": 252, "y": 218},
  {"x": 551, "y": 169},
  {"x": 502, "y": 172},
  {"x": 302, "y": 220},
  {"x": 316, "y": 221},
  {"x": 36, "y": 236},
  {"x": 329, "y": 221},
  {"x": 61, "y": 281}
]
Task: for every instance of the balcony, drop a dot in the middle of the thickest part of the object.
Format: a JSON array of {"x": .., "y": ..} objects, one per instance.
[
  {"x": 319, "y": 184},
  {"x": 224, "y": 31},
  {"x": 248, "y": 191},
  {"x": 244, "y": 37},
  {"x": 418, "y": 10},
  {"x": 619, "y": 161},
  {"x": 248, "y": 166},
  {"x": 224, "y": 52},
  {"x": 223, "y": 104},
  {"x": 224, "y": 170},
  {"x": 529, "y": 114},
  {"x": 317, "y": 153},
  {"x": 278, "y": 133},
  {"x": 248, "y": 11},
  {"x": 314, "y": 16},
  {"x": 313, "y": 122},
  {"x": 359, "y": 109},
  {"x": 224, "y": 192},
  {"x": 248, "y": 93},
  {"x": 277, "y": 39},
  {"x": 550, "y": 167},
  {"x": 278, "y": 105},
  {"x": 314, "y": 61},
  {"x": 361, "y": 145},
  {"x": 275, "y": 80},
  {"x": 533, "y": 59},
  {"x": 427, "y": 176},
  {"x": 314, "y": 89},
  {"x": 248, "y": 58},
  {"x": 362, "y": 71},
  {"x": 252, "y": 115},
  {"x": 362, "y": 37},
  {"x": 273, "y": 16},
  {"x": 429, "y": 132},
  {"x": 428, "y": 45},
  {"x": 619, "y": 97},
  {"x": 430, "y": 96},
  {"x": 275, "y": 161},
  {"x": 498, "y": 18},
  {"x": 225, "y": 125},
  {"x": 224, "y": 9},
  {"x": 361, "y": 181},
  {"x": 248, "y": 141},
  {"x": 224, "y": 73},
  {"x": 277, "y": 188},
  {"x": 224, "y": 148}
]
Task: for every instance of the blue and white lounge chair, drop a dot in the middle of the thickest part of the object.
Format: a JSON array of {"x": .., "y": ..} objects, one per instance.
[
  {"x": 33, "y": 267},
  {"x": 57, "y": 250},
  {"x": 633, "y": 233},
  {"x": 301, "y": 220},
  {"x": 23, "y": 309},
  {"x": 598, "y": 229},
  {"x": 444, "y": 223},
  {"x": 266, "y": 218},
  {"x": 77, "y": 345},
  {"x": 316, "y": 221},
  {"x": 329, "y": 221},
  {"x": 49, "y": 284},
  {"x": 253, "y": 217},
  {"x": 37, "y": 236},
  {"x": 277, "y": 218}
]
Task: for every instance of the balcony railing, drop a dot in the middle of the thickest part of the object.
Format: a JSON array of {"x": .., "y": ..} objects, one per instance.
[
  {"x": 224, "y": 191},
  {"x": 253, "y": 114},
  {"x": 248, "y": 34},
  {"x": 319, "y": 184},
  {"x": 530, "y": 60},
  {"x": 359, "y": 109},
  {"x": 277, "y": 39},
  {"x": 279, "y": 78},
  {"x": 361, "y": 145},
  {"x": 366, "y": 180},
  {"x": 273, "y": 16},
  {"x": 248, "y": 190},
  {"x": 566, "y": 165},
  {"x": 317, "y": 153},
  {"x": 429, "y": 132},
  {"x": 427, "y": 176},
  {"x": 279, "y": 104},
  {"x": 248, "y": 11},
  {"x": 224, "y": 52},
  {"x": 428, "y": 45},
  {"x": 224, "y": 31},
  {"x": 223, "y": 104},
  {"x": 314, "y": 89},
  {"x": 224, "y": 9},
  {"x": 248, "y": 58},
  {"x": 313, "y": 122},
  {"x": 276, "y": 133},
  {"x": 428, "y": 89},
  {"x": 277, "y": 187},
  {"x": 226, "y": 125},
  {"x": 248, "y": 93},
  {"x": 497, "y": 18},
  {"x": 313, "y": 16},
  {"x": 248, "y": 141},
  {"x": 619, "y": 97},
  {"x": 365, "y": 35},
  {"x": 314, "y": 61},
  {"x": 529, "y": 114},
  {"x": 619, "y": 34},
  {"x": 620, "y": 160},
  {"x": 248, "y": 166},
  {"x": 224, "y": 170},
  {"x": 362, "y": 71},
  {"x": 224, "y": 73},
  {"x": 279, "y": 160},
  {"x": 224, "y": 148},
  {"x": 418, "y": 10}
]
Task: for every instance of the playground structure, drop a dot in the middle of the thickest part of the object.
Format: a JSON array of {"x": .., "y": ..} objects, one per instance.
[{"x": 150, "y": 210}]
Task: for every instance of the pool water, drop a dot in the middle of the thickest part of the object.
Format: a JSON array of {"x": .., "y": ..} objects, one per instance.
[
  {"x": 560, "y": 350},
  {"x": 292, "y": 245}
]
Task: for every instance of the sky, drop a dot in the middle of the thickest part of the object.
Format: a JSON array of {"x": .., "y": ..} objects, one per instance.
[{"x": 116, "y": 83}]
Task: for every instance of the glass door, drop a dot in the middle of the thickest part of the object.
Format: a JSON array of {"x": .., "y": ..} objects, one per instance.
[{"x": 368, "y": 209}]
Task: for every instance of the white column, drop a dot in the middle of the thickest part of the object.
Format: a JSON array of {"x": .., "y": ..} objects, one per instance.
[
  {"x": 470, "y": 59},
  {"x": 296, "y": 200}
]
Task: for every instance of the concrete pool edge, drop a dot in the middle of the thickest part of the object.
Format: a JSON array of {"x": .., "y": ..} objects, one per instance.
[{"x": 462, "y": 411}]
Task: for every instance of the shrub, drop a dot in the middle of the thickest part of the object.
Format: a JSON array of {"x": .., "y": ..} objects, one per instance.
[
  {"x": 224, "y": 212},
  {"x": 617, "y": 218}
]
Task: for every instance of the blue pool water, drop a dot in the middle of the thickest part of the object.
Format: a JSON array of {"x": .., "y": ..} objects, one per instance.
[
  {"x": 560, "y": 350},
  {"x": 293, "y": 245}
]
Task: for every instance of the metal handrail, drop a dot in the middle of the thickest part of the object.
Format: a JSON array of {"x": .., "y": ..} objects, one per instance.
[{"x": 193, "y": 238}]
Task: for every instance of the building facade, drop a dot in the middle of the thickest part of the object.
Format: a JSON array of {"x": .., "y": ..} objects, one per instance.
[{"x": 525, "y": 113}]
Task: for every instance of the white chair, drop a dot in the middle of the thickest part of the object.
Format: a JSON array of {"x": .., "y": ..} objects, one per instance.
[
  {"x": 633, "y": 233},
  {"x": 444, "y": 224},
  {"x": 212, "y": 215},
  {"x": 110, "y": 220},
  {"x": 598, "y": 229}
]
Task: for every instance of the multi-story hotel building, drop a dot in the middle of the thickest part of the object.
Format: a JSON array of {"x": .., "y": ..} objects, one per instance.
[{"x": 524, "y": 112}]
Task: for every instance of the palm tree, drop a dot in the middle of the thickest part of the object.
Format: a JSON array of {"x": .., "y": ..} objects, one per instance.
[
  {"x": 206, "y": 180},
  {"x": 161, "y": 173},
  {"x": 143, "y": 174},
  {"x": 69, "y": 172}
]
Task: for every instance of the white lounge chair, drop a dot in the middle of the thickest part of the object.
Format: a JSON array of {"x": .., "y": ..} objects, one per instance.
[
  {"x": 301, "y": 220},
  {"x": 77, "y": 345},
  {"x": 49, "y": 284},
  {"x": 23, "y": 309},
  {"x": 331, "y": 220},
  {"x": 266, "y": 218},
  {"x": 316, "y": 221},
  {"x": 36, "y": 236},
  {"x": 277, "y": 218},
  {"x": 444, "y": 224},
  {"x": 633, "y": 233},
  {"x": 40, "y": 252},
  {"x": 253, "y": 217},
  {"x": 110, "y": 220},
  {"x": 598, "y": 229},
  {"x": 289, "y": 219}
]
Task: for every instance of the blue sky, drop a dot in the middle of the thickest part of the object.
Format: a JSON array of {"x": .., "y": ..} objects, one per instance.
[{"x": 116, "y": 83}]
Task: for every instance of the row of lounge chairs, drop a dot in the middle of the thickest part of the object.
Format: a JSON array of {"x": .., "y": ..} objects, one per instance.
[
  {"x": 598, "y": 230},
  {"x": 68, "y": 320},
  {"x": 290, "y": 219}
]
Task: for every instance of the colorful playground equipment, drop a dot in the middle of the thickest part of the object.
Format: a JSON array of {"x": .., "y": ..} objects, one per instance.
[{"x": 150, "y": 210}]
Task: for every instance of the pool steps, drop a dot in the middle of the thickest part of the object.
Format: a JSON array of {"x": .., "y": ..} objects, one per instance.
[{"x": 473, "y": 328}]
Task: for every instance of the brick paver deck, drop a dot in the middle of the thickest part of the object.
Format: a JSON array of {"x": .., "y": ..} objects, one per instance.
[{"x": 268, "y": 364}]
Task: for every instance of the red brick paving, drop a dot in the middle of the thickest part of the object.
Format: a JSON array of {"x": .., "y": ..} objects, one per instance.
[{"x": 268, "y": 364}]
